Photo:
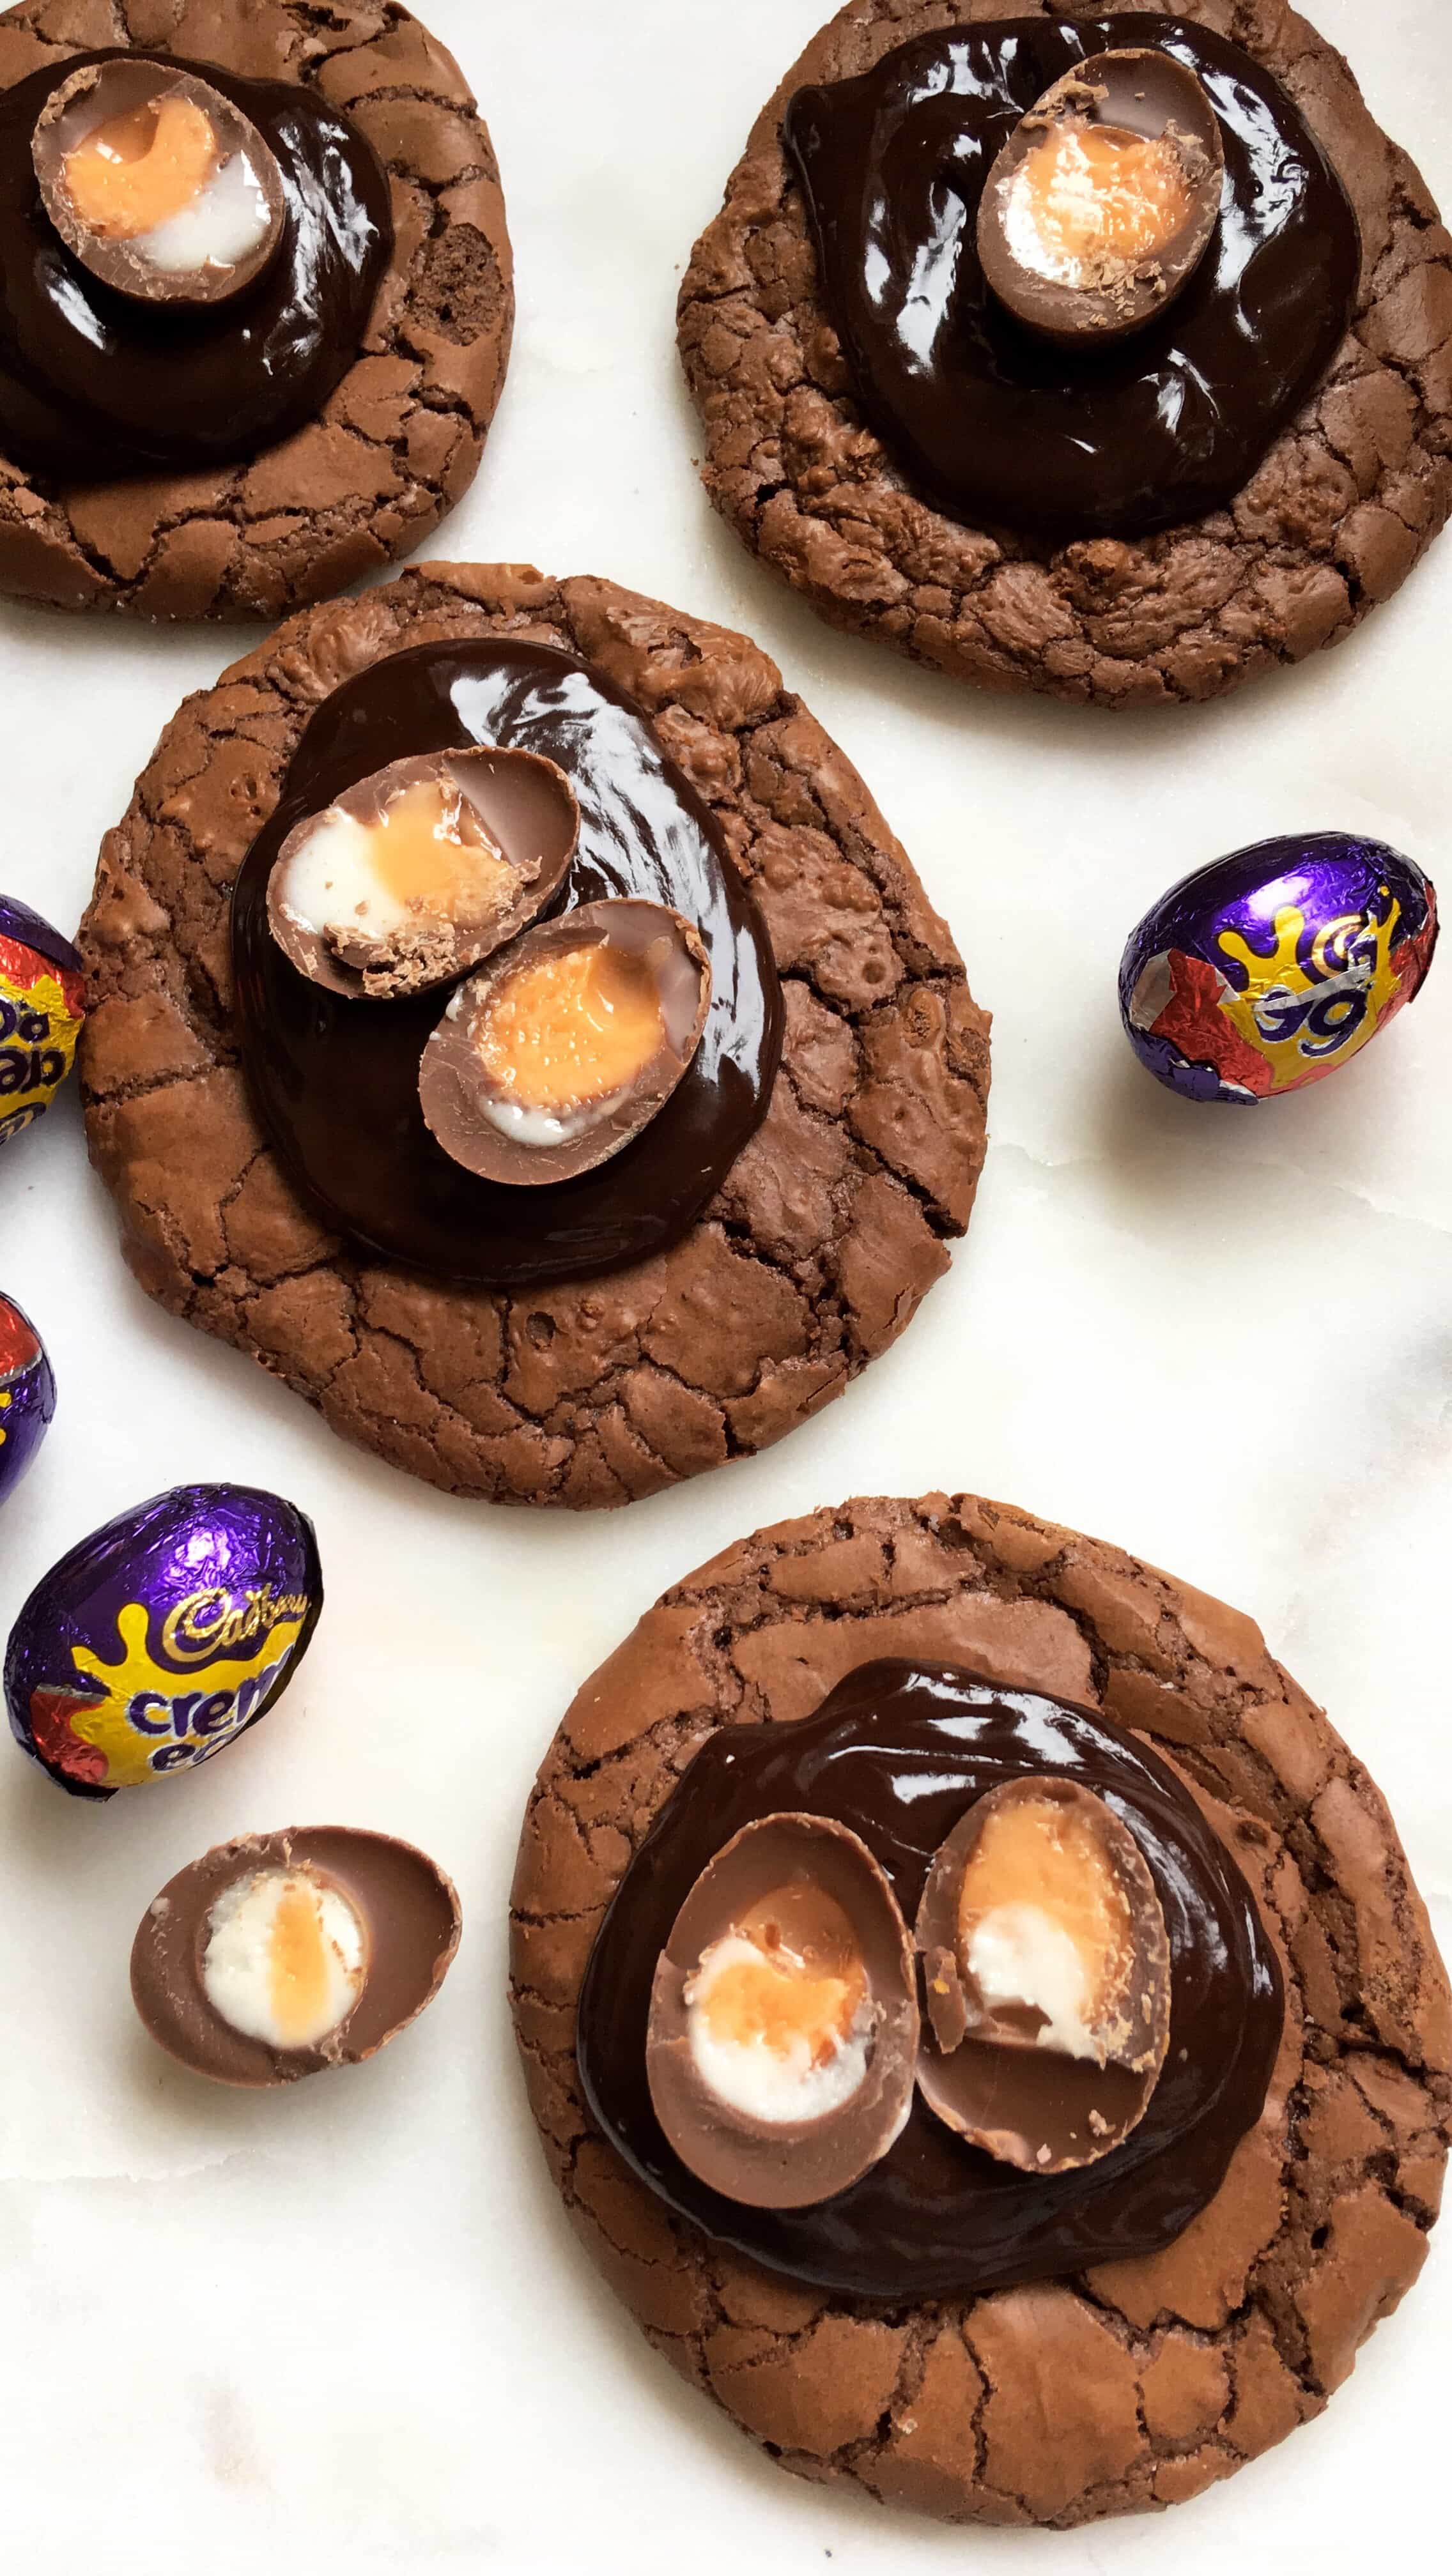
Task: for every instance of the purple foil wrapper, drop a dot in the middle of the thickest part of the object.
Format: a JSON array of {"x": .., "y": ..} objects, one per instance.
[
  {"x": 1272, "y": 967},
  {"x": 27, "y": 1395},
  {"x": 42, "y": 1005},
  {"x": 163, "y": 1637}
]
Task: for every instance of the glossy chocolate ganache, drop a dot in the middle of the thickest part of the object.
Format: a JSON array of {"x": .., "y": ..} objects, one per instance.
[
  {"x": 336, "y": 1080},
  {"x": 897, "y": 1754},
  {"x": 94, "y": 383},
  {"x": 992, "y": 421}
]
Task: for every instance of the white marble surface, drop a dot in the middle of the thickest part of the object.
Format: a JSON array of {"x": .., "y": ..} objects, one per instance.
[{"x": 347, "y": 2329}]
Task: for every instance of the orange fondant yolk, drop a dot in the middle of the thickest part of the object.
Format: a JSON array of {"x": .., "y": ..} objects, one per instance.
[
  {"x": 806, "y": 1981},
  {"x": 428, "y": 853},
  {"x": 1099, "y": 198},
  {"x": 577, "y": 1026},
  {"x": 136, "y": 171},
  {"x": 1037, "y": 1853},
  {"x": 298, "y": 1963}
]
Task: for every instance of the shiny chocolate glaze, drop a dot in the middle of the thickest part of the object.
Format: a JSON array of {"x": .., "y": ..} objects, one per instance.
[
  {"x": 95, "y": 384},
  {"x": 897, "y": 1752},
  {"x": 336, "y": 1081},
  {"x": 990, "y": 421}
]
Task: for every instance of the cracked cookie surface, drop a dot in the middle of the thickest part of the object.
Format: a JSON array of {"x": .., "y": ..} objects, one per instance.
[
  {"x": 400, "y": 440},
  {"x": 1138, "y": 2383},
  {"x": 1331, "y": 523},
  {"x": 814, "y": 1254}
]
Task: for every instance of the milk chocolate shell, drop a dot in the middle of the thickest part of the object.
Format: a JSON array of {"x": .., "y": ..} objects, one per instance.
[
  {"x": 406, "y": 1913},
  {"x": 365, "y": 898},
  {"x": 572, "y": 1106},
  {"x": 765, "y": 2123},
  {"x": 1085, "y": 250},
  {"x": 1046, "y": 1973},
  {"x": 160, "y": 186}
]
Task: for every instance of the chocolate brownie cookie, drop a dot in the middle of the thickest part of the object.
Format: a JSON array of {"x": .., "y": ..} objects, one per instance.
[
  {"x": 1331, "y": 519},
  {"x": 1104, "y": 2385},
  {"x": 400, "y": 435},
  {"x": 830, "y": 1223}
]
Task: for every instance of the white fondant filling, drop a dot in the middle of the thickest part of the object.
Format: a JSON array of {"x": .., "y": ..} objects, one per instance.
[
  {"x": 1018, "y": 1954},
  {"x": 237, "y": 1964},
  {"x": 223, "y": 224},
  {"x": 538, "y": 1127},
  {"x": 763, "y": 2082},
  {"x": 332, "y": 887}
]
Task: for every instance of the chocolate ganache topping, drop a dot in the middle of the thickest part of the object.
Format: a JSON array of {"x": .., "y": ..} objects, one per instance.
[
  {"x": 898, "y": 1753},
  {"x": 336, "y": 1080},
  {"x": 95, "y": 382},
  {"x": 992, "y": 421}
]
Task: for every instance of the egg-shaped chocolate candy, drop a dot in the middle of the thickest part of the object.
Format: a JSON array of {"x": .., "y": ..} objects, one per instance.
[
  {"x": 783, "y": 2020},
  {"x": 1101, "y": 205},
  {"x": 1269, "y": 968},
  {"x": 156, "y": 183},
  {"x": 1046, "y": 1975},
  {"x": 562, "y": 1049},
  {"x": 42, "y": 1005},
  {"x": 158, "y": 1640},
  {"x": 422, "y": 870},
  {"x": 27, "y": 1395},
  {"x": 278, "y": 1955}
]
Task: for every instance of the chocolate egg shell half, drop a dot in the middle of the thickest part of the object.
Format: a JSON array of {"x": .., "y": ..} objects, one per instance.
[
  {"x": 422, "y": 871},
  {"x": 558, "y": 1052},
  {"x": 783, "y": 2022},
  {"x": 280, "y": 1954},
  {"x": 157, "y": 184},
  {"x": 158, "y": 1640},
  {"x": 42, "y": 1005},
  {"x": 1101, "y": 205},
  {"x": 1270, "y": 968},
  {"x": 27, "y": 1395},
  {"x": 1046, "y": 1974}
]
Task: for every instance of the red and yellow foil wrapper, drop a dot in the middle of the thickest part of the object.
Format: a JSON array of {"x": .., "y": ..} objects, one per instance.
[
  {"x": 42, "y": 1005},
  {"x": 1275, "y": 966}
]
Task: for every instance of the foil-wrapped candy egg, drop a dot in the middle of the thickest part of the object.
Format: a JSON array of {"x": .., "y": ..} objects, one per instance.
[
  {"x": 1272, "y": 967},
  {"x": 27, "y": 1394},
  {"x": 42, "y": 1005},
  {"x": 158, "y": 1640}
]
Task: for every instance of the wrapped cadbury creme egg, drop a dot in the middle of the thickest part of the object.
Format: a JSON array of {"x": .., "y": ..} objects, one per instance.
[
  {"x": 27, "y": 1395},
  {"x": 1268, "y": 969},
  {"x": 42, "y": 1005},
  {"x": 163, "y": 1637}
]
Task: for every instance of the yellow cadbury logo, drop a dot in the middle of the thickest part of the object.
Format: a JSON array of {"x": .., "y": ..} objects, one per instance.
[{"x": 147, "y": 1723}]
